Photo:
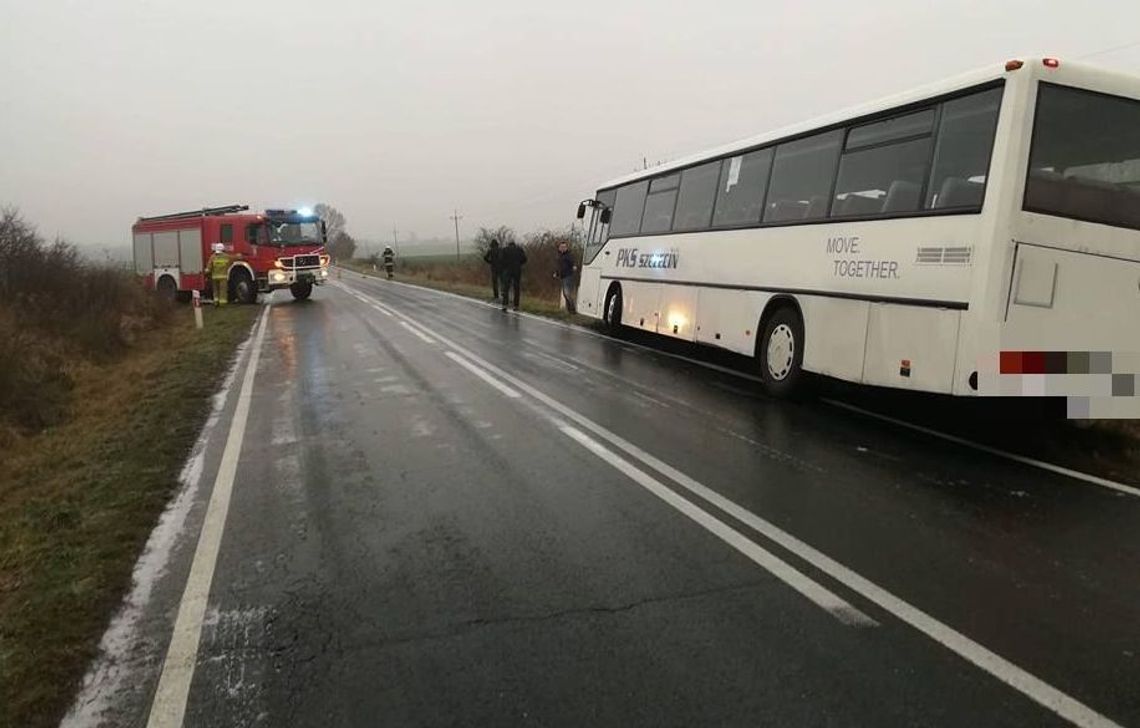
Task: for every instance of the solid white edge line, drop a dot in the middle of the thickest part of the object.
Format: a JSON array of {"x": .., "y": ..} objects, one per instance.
[
  {"x": 1076, "y": 474},
  {"x": 1007, "y": 672},
  {"x": 1022, "y": 459},
  {"x": 168, "y": 707},
  {"x": 782, "y": 570},
  {"x": 483, "y": 375},
  {"x": 426, "y": 339}
]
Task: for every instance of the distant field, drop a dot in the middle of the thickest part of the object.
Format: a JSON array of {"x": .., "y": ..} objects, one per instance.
[{"x": 420, "y": 259}]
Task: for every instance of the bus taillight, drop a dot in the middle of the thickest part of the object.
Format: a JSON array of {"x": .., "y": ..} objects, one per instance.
[
  {"x": 1051, "y": 62},
  {"x": 1013, "y": 65}
]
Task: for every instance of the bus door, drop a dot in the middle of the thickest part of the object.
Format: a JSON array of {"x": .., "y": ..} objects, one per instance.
[{"x": 595, "y": 216}]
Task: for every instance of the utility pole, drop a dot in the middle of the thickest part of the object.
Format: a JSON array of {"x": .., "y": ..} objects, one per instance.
[
  {"x": 395, "y": 241},
  {"x": 456, "y": 217}
]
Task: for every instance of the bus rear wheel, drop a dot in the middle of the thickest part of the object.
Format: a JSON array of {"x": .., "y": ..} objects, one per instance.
[
  {"x": 611, "y": 314},
  {"x": 301, "y": 291},
  {"x": 781, "y": 353}
]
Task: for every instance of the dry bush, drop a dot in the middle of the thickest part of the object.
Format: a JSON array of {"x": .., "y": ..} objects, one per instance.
[
  {"x": 538, "y": 279},
  {"x": 56, "y": 308}
]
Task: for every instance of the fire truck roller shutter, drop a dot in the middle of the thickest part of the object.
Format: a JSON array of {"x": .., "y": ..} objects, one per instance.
[
  {"x": 190, "y": 245},
  {"x": 144, "y": 254},
  {"x": 166, "y": 249}
]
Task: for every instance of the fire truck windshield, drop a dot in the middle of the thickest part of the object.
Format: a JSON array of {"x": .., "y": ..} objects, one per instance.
[{"x": 294, "y": 233}]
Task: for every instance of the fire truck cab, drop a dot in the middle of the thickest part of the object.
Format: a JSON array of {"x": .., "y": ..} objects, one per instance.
[{"x": 271, "y": 250}]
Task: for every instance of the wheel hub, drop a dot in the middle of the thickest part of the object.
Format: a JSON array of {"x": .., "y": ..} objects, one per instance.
[{"x": 781, "y": 352}]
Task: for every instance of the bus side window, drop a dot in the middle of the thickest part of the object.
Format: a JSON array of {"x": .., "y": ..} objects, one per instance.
[
  {"x": 884, "y": 165},
  {"x": 695, "y": 200},
  {"x": 802, "y": 176},
  {"x": 962, "y": 152},
  {"x": 742, "y": 187},
  {"x": 628, "y": 208}
]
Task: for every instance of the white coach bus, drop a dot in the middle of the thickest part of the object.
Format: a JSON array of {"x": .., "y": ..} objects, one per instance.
[{"x": 952, "y": 239}]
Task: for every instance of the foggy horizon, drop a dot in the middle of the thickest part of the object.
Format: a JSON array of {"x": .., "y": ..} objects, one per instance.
[{"x": 398, "y": 115}]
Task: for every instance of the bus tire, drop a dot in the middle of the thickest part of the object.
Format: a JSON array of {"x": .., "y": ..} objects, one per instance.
[
  {"x": 301, "y": 291},
  {"x": 242, "y": 288},
  {"x": 167, "y": 289},
  {"x": 611, "y": 313},
  {"x": 781, "y": 353}
]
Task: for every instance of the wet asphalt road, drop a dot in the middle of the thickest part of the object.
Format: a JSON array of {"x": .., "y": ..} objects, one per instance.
[{"x": 424, "y": 530}]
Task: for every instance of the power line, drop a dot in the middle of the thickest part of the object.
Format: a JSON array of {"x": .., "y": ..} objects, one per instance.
[{"x": 1113, "y": 49}]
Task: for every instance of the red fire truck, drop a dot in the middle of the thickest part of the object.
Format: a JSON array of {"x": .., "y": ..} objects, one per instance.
[{"x": 271, "y": 250}]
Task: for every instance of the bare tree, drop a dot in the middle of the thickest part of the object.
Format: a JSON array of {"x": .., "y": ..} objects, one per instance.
[
  {"x": 546, "y": 237},
  {"x": 342, "y": 246},
  {"x": 484, "y": 237},
  {"x": 334, "y": 219}
]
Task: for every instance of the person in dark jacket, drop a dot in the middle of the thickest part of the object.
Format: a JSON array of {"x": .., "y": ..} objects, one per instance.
[
  {"x": 491, "y": 258},
  {"x": 512, "y": 258},
  {"x": 565, "y": 274}
]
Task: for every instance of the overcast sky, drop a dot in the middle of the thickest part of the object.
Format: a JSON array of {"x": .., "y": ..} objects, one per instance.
[{"x": 398, "y": 112}]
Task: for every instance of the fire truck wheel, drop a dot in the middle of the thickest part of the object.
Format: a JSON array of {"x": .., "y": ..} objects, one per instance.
[
  {"x": 301, "y": 291},
  {"x": 167, "y": 288},
  {"x": 242, "y": 288}
]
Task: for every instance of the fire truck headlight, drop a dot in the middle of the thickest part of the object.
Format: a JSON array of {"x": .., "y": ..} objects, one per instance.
[
  {"x": 324, "y": 273},
  {"x": 277, "y": 276},
  {"x": 277, "y": 263}
]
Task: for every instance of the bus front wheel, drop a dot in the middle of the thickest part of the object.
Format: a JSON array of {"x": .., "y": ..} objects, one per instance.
[
  {"x": 611, "y": 314},
  {"x": 781, "y": 353}
]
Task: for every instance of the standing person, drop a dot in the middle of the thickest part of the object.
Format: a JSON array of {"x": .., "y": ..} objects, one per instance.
[
  {"x": 512, "y": 259},
  {"x": 219, "y": 270},
  {"x": 491, "y": 258},
  {"x": 389, "y": 262},
  {"x": 565, "y": 273}
]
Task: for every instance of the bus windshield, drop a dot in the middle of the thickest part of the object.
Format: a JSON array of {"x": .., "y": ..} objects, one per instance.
[
  {"x": 294, "y": 233},
  {"x": 1085, "y": 159}
]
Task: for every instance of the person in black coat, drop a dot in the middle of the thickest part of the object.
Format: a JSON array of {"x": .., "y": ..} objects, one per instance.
[
  {"x": 512, "y": 258},
  {"x": 491, "y": 258},
  {"x": 565, "y": 274}
]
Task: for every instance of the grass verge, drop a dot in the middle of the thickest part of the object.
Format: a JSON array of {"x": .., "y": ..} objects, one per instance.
[{"x": 77, "y": 502}]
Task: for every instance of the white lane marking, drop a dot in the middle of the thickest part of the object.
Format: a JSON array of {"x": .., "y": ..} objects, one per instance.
[
  {"x": 427, "y": 339},
  {"x": 1022, "y": 459},
  {"x": 483, "y": 375},
  {"x": 381, "y": 309},
  {"x": 169, "y": 705},
  {"x": 1007, "y": 672},
  {"x": 536, "y": 355},
  {"x": 782, "y": 570},
  {"x": 113, "y": 672},
  {"x": 1076, "y": 474}
]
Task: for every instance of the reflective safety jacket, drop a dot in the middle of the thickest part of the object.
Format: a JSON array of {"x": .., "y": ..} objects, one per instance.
[{"x": 219, "y": 265}]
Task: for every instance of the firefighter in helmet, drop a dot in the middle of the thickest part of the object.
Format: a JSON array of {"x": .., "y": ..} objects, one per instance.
[
  {"x": 389, "y": 261},
  {"x": 219, "y": 269}
]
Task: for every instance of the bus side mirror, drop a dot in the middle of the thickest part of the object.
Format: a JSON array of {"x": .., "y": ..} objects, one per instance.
[
  {"x": 606, "y": 215},
  {"x": 581, "y": 210}
]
